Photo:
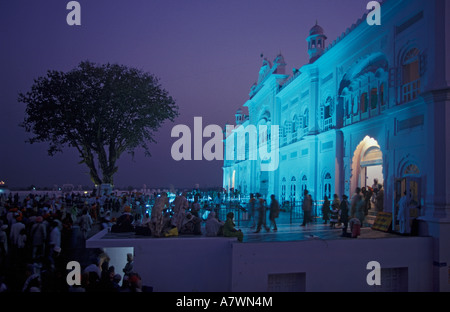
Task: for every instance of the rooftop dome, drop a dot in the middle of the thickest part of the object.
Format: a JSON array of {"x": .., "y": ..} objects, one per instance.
[
  {"x": 279, "y": 59},
  {"x": 316, "y": 30}
]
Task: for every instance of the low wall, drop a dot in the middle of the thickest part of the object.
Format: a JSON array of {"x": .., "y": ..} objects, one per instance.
[
  {"x": 218, "y": 264},
  {"x": 174, "y": 264},
  {"x": 333, "y": 265}
]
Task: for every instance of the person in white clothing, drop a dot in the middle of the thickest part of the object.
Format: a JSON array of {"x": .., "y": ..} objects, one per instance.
[
  {"x": 213, "y": 226},
  {"x": 14, "y": 235},
  {"x": 181, "y": 204},
  {"x": 403, "y": 214},
  {"x": 55, "y": 235}
]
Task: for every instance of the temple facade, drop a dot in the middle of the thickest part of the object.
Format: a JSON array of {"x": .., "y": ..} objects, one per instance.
[{"x": 372, "y": 104}]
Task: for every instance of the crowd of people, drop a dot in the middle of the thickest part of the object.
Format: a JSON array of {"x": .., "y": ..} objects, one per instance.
[
  {"x": 41, "y": 233},
  {"x": 342, "y": 213},
  {"x": 38, "y": 232}
]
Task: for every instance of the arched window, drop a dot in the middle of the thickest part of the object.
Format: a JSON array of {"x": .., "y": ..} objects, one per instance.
[
  {"x": 363, "y": 102},
  {"x": 411, "y": 75},
  {"x": 295, "y": 125},
  {"x": 373, "y": 98},
  {"x": 286, "y": 130},
  {"x": 354, "y": 106},
  {"x": 283, "y": 190},
  {"x": 293, "y": 189},
  {"x": 304, "y": 184},
  {"x": 382, "y": 100},
  {"x": 411, "y": 169},
  {"x": 326, "y": 112},
  {"x": 305, "y": 120},
  {"x": 327, "y": 185}
]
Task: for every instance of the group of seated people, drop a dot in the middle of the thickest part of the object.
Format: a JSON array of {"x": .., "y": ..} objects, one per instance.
[{"x": 181, "y": 219}]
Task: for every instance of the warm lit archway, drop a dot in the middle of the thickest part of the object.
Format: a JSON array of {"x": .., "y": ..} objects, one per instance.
[{"x": 367, "y": 164}]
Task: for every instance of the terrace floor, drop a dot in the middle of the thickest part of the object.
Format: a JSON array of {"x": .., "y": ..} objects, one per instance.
[{"x": 287, "y": 231}]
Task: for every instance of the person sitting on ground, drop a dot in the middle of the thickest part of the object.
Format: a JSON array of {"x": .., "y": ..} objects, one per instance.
[
  {"x": 191, "y": 225},
  {"x": 229, "y": 229},
  {"x": 213, "y": 226},
  {"x": 124, "y": 222},
  {"x": 355, "y": 227}
]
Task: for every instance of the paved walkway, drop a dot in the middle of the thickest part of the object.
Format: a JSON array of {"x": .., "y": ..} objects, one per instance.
[
  {"x": 294, "y": 232},
  {"x": 287, "y": 231}
]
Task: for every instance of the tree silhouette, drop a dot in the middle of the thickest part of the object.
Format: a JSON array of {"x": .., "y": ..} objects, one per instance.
[{"x": 101, "y": 110}]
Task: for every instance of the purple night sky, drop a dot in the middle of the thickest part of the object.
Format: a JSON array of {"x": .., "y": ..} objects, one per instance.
[{"x": 205, "y": 52}]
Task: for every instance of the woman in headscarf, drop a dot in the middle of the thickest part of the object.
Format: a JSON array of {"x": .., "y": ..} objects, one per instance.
[
  {"x": 156, "y": 218},
  {"x": 213, "y": 226},
  {"x": 229, "y": 229},
  {"x": 181, "y": 204}
]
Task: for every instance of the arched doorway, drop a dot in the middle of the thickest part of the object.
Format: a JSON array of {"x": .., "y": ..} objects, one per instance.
[
  {"x": 367, "y": 164},
  {"x": 372, "y": 167},
  {"x": 408, "y": 183}
]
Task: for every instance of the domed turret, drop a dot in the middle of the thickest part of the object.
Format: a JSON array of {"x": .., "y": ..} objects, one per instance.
[
  {"x": 316, "y": 42},
  {"x": 239, "y": 116},
  {"x": 316, "y": 30},
  {"x": 280, "y": 64}
]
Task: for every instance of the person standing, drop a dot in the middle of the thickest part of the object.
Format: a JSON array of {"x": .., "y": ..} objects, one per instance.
[
  {"x": 367, "y": 196},
  {"x": 334, "y": 219},
  {"x": 86, "y": 223},
  {"x": 325, "y": 210},
  {"x": 355, "y": 201},
  {"x": 55, "y": 237},
  {"x": 195, "y": 209},
  {"x": 252, "y": 208},
  {"x": 3, "y": 244},
  {"x": 14, "y": 235},
  {"x": 38, "y": 238},
  {"x": 306, "y": 207},
  {"x": 157, "y": 219},
  {"x": 403, "y": 214},
  {"x": 379, "y": 201},
  {"x": 343, "y": 210},
  {"x": 261, "y": 214},
  {"x": 274, "y": 212},
  {"x": 129, "y": 266},
  {"x": 217, "y": 204},
  {"x": 181, "y": 204}
]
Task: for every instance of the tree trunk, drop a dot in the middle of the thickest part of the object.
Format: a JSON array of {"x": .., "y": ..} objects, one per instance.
[{"x": 88, "y": 159}]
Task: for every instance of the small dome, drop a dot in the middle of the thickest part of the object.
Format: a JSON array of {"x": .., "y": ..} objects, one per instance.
[
  {"x": 239, "y": 111},
  {"x": 316, "y": 30},
  {"x": 279, "y": 59}
]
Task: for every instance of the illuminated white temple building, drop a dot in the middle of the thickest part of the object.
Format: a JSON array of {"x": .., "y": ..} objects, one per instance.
[{"x": 373, "y": 103}]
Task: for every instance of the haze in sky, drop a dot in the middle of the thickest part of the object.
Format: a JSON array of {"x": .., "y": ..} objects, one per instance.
[{"x": 207, "y": 55}]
